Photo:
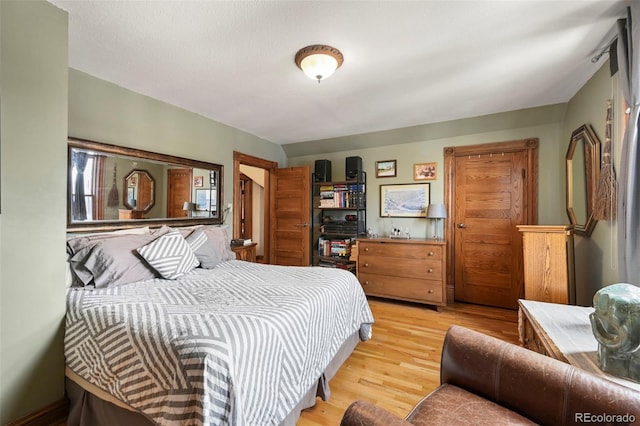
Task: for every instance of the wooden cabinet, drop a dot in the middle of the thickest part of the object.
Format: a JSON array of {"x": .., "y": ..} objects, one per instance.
[
  {"x": 245, "y": 252},
  {"x": 130, "y": 214},
  {"x": 412, "y": 270},
  {"x": 548, "y": 263}
]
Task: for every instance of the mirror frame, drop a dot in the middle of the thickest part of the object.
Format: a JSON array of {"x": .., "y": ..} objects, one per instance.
[
  {"x": 583, "y": 134},
  {"x": 110, "y": 225},
  {"x": 125, "y": 200}
]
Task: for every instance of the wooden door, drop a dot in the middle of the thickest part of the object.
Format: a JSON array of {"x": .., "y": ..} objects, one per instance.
[
  {"x": 179, "y": 191},
  {"x": 492, "y": 192},
  {"x": 290, "y": 207}
]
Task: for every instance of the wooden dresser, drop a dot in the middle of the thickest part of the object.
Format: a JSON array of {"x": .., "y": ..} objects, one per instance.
[{"x": 412, "y": 270}]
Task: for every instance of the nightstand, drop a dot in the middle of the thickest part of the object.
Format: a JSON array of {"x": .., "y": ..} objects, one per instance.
[{"x": 247, "y": 252}]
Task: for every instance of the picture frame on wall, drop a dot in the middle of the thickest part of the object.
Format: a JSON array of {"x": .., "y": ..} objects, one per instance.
[
  {"x": 203, "y": 199},
  {"x": 386, "y": 168},
  {"x": 198, "y": 181},
  {"x": 425, "y": 171},
  {"x": 404, "y": 200}
]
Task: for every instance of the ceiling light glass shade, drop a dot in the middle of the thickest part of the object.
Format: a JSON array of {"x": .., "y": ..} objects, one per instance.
[{"x": 319, "y": 62}]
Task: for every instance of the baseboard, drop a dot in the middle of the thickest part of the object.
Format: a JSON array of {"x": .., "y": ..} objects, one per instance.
[{"x": 52, "y": 414}]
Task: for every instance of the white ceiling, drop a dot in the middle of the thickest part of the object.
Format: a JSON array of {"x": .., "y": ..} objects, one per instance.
[{"x": 406, "y": 63}]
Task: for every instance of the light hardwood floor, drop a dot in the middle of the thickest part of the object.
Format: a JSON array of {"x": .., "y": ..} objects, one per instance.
[{"x": 401, "y": 363}]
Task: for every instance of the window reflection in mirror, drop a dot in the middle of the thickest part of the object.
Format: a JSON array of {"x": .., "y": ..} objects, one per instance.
[{"x": 110, "y": 184}]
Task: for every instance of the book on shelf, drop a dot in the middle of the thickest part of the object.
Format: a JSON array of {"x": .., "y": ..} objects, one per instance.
[
  {"x": 341, "y": 195},
  {"x": 338, "y": 248}
]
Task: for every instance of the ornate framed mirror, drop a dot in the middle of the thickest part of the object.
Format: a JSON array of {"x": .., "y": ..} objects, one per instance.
[
  {"x": 582, "y": 171},
  {"x": 138, "y": 191},
  {"x": 112, "y": 187}
]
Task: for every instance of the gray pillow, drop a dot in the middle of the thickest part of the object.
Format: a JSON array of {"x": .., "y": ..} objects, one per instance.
[
  {"x": 205, "y": 252},
  {"x": 219, "y": 238},
  {"x": 113, "y": 261}
]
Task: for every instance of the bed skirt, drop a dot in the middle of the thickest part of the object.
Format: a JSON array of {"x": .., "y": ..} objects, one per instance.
[{"x": 91, "y": 406}]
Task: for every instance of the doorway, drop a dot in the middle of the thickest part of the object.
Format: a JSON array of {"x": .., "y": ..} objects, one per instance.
[
  {"x": 489, "y": 189},
  {"x": 256, "y": 166}
]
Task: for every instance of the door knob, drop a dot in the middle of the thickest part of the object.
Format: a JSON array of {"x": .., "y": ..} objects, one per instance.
[{"x": 461, "y": 225}]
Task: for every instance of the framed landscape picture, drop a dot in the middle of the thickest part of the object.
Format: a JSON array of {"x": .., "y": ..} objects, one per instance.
[
  {"x": 386, "y": 168},
  {"x": 404, "y": 200},
  {"x": 203, "y": 199}
]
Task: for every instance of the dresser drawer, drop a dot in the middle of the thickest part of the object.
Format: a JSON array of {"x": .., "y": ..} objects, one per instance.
[
  {"x": 406, "y": 289},
  {"x": 400, "y": 250},
  {"x": 401, "y": 267}
]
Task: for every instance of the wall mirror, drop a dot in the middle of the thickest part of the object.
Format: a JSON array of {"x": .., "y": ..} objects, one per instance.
[
  {"x": 138, "y": 190},
  {"x": 582, "y": 171},
  {"x": 111, "y": 187}
]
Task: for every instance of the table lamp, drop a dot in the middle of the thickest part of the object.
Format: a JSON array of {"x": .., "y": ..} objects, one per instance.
[
  {"x": 437, "y": 212},
  {"x": 189, "y": 207}
]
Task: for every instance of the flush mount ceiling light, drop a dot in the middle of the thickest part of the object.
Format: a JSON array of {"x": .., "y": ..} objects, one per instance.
[{"x": 319, "y": 61}]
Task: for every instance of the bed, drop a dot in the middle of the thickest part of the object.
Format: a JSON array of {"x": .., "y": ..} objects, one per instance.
[{"x": 225, "y": 342}]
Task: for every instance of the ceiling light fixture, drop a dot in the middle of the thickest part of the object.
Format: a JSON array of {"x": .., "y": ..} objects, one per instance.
[{"x": 319, "y": 61}]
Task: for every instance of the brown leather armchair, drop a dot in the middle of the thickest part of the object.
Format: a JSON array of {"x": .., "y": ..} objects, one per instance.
[{"x": 485, "y": 381}]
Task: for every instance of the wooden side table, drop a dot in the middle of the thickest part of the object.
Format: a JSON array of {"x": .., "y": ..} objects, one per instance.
[
  {"x": 563, "y": 332},
  {"x": 247, "y": 252}
]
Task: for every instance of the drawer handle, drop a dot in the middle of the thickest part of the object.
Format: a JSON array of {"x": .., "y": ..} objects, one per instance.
[
  {"x": 430, "y": 253},
  {"x": 430, "y": 270},
  {"x": 430, "y": 291},
  {"x": 366, "y": 249},
  {"x": 366, "y": 265},
  {"x": 365, "y": 283}
]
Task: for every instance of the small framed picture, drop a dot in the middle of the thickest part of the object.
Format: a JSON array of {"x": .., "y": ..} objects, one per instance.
[
  {"x": 198, "y": 181},
  {"x": 424, "y": 171},
  {"x": 386, "y": 168}
]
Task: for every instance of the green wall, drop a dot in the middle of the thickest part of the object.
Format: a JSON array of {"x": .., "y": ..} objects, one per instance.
[
  {"x": 33, "y": 77},
  {"x": 596, "y": 257},
  {"x": 104, "y": 112},
  {"x": 544, "y": 123}
]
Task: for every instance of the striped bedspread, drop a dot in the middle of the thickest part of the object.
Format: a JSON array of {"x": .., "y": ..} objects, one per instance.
[{"x": 239, "y": 344}]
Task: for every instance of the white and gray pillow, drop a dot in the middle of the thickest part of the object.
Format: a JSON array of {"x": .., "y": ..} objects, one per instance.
[{"x": 169, "y": 255}]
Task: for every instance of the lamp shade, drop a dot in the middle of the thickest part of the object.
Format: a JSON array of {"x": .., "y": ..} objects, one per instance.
[
  {"x": 318, "y": 62},
  {"x": 437, "y": 211},
  {"x": 189, "y": 206}
]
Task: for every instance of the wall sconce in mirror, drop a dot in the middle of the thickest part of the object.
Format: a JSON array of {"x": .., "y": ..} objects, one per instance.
[
  {"x": 154, "y": 188},
  {"x": 582, "y": 171}
]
